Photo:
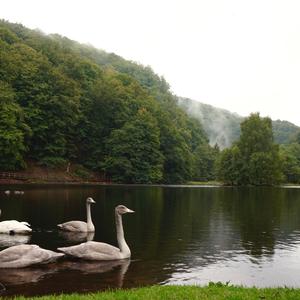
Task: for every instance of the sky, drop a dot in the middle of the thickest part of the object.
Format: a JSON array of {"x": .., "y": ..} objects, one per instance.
[{"x": 240, "y": 55}]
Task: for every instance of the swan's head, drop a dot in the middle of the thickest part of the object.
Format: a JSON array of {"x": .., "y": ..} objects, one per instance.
[
  {"x": 122, "y": 209},
  {"x": 90, "y": 200}
]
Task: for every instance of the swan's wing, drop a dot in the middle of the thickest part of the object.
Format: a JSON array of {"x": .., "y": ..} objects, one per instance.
[
  {"x": 25, "y": 255},
  {"x": 78, "y": 226},
  {"x": 93, "y": 251},
  {"x": 101, "y": 247}
]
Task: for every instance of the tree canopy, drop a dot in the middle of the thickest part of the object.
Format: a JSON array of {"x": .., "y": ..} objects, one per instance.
[
  {"x": 254, "y": 159},
  {"x": 63, "y": 102}
]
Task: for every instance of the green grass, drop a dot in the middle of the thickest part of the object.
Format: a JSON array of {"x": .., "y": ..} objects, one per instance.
[{"x": 214, "y": 291}]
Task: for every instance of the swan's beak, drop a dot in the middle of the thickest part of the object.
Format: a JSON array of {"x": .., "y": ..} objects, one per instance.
[
  {"x": 130, "y": 211},
  {"x": 93, "y": 201}
]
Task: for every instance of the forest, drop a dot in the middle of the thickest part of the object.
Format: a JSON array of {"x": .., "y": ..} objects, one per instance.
[{"x": 66, "y": 103}]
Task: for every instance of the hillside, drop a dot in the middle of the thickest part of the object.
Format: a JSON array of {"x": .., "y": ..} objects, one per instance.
[
  {"x": 223, "y": 127},
  {"x": 63, "y": 103}
]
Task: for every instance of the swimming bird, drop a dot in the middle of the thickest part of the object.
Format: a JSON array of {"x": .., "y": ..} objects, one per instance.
[
  {"x": 80, "y": 226},
  {"x": 22, "y": 256},
  {"x": 13, "y": 226},
  {"x": 7, "y": 192},
  {"x": 101, "y": 251}
]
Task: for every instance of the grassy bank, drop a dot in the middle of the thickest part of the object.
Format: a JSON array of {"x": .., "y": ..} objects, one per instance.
[{"x": 213, "y": 291}]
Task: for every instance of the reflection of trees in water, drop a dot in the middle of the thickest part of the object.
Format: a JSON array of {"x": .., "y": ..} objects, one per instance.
[
  {"x": 263, "y": 216},
  {"x": 175, "y": 227},
  {"x": 202, "y": 226},
  {"x": 254, "y": 217}
]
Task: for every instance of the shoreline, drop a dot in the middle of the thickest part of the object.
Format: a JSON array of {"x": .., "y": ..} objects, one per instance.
[{"x": 102, "y": 183}]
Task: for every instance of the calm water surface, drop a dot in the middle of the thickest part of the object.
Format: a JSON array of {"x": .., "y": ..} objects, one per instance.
[{"x": 178, "y": 235}]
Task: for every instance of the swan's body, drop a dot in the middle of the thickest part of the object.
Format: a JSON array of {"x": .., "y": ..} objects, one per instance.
[
  {"x": 102, "y": 251},
  {"x": 13, "y": 226},
  {"x": 95, "y": 251},
  {"x": 7, "y": 192},
  {"x": 80, "y": 226},
  {"x": 77, "y": 237},
  {"x": 26, "y": 255}
]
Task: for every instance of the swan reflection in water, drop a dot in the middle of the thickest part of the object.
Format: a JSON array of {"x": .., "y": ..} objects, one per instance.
[
  {"x": 11, "y": 277},
  {"x": 77, "y": 237},
  {"x": 25, "y": 275},
  {"x": 94, "y": 267},
  {"x": 13, "y": 240}
]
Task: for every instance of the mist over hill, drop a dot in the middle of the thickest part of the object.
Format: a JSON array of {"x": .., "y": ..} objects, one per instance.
[{"x": 223, "y": 127}]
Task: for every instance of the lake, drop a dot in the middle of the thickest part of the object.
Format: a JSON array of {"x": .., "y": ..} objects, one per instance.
[{"x": 178, "y": 235}]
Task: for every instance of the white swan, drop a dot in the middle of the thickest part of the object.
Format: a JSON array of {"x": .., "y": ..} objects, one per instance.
[
  {"x": 102, "y": 251},
  {"x": 26, "y": 255},
  {"x": 80, "y": 226},
  {"x": 13, "y": 226}
]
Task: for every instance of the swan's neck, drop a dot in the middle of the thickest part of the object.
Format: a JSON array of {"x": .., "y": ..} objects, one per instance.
[
  {"x": 120, "y": 236},
  {"x": 90, "y": 225}
]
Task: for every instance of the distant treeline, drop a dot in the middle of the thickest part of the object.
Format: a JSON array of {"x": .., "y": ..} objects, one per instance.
[{"x": 63, "y": 102}]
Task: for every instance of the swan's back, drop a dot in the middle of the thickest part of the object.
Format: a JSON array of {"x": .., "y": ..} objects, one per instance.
[
  {"x": 75, "y": 226},
  {"x": 93, "y": 251},
  {"x": 14, "y": 226},
  {"x": 26, "y": 255}
]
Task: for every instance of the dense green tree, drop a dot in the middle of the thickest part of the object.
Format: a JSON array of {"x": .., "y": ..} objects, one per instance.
[
  {"x": 265, "y": 168},
  {"x": 205, "y": 158},
  {"x": 256, "y": 135},
  {"x": 230, "y": 166},
  {"x": 13, "y": 130},
  {"x": 291, "y": 162},
  {"x": 255, "y": 158},
  {"x": 133, "y": 151}
]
